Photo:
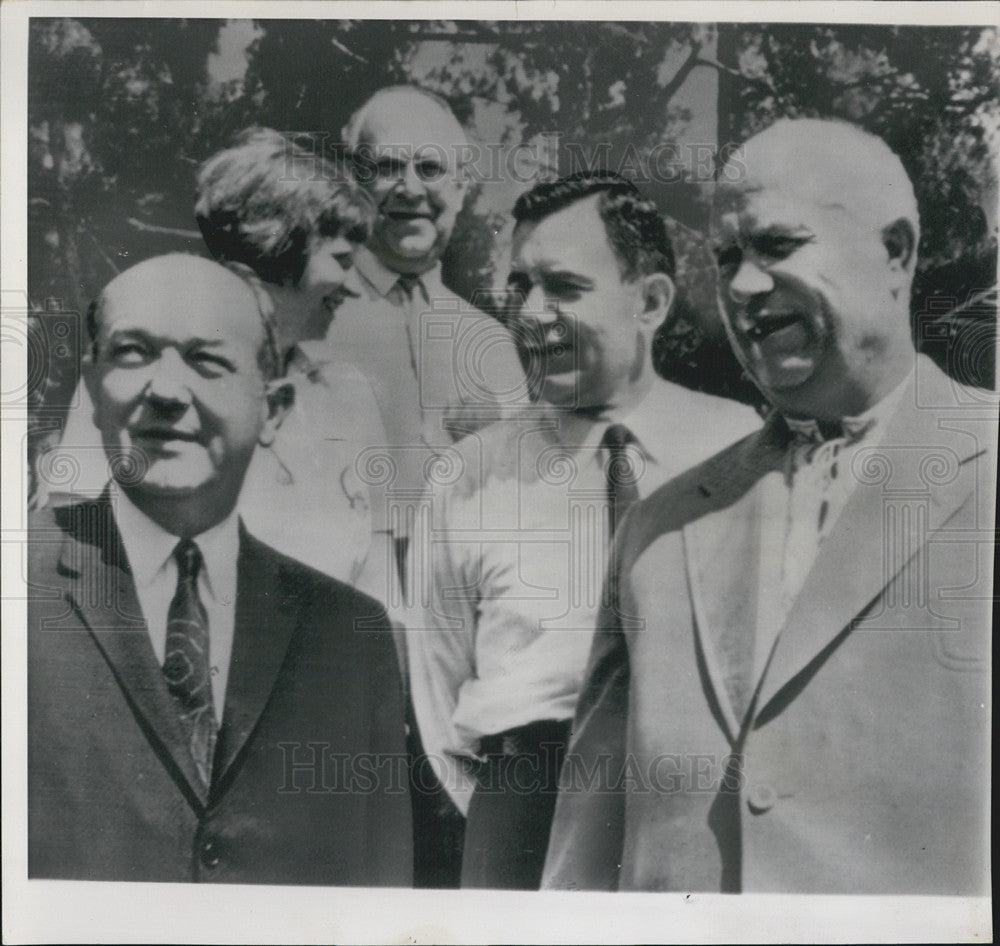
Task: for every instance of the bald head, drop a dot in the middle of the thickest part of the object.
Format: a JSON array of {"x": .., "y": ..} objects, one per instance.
[
  {"x": 816, "y": 230},
  {"x": 410, "y": 153},
  {"x": 408, "y": 108},
  {"x": 182, "y": 280},
  {"x": 180, "y": 388},
  {"x": 830, "y": 163}
]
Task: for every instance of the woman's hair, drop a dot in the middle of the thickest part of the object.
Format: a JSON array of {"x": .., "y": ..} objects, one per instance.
[{"x": 261, "y": 201}]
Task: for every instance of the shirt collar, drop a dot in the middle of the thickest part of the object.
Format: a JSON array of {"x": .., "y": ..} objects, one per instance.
[
  {"x": 867, "y": 424},
  {"x": 307, "y": 358},
  {"x": 646, "y": 420},
  {"x": 149, "y": 546},
  {"x": 382, "y": 279}
]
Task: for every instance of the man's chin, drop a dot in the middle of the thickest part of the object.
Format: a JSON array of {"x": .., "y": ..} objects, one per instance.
[
  {"x": 416, "y": 250},
  {"x": 166, "y": 481},
  {"x": 411, "y": 249},
  {"x": 562, "y": 393}
]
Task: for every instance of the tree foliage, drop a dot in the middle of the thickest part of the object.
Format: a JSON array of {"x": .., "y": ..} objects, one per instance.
[{"x": 122, "y": 111}]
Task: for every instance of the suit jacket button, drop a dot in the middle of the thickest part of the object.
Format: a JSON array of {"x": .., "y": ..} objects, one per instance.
[
  {"x": 210, "y": 853},
  {"x": 761, "y": 798}
]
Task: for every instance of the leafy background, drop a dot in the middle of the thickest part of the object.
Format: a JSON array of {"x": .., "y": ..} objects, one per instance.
[{"x": 122, "y": 111}]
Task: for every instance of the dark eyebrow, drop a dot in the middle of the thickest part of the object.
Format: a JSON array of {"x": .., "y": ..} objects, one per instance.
[
  {"x": 136, "y": 332},
  {"x": 784, "y": 231},
  {"x": 566, "y": 275},
  {"x": 218, "y": 341}
]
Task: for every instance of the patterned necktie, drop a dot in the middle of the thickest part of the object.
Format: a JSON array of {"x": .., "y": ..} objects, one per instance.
[
  {"x": 621, "y": 474},
  {"x": 186, "y": 666},
  {"x": 407, "y": 283}
]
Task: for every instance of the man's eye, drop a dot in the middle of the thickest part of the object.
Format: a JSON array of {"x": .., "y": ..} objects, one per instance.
[
  {"x": 728, "y": 257},
  {"x": 129, "y": 353},
  {"x": 429, "y": 170},
  {"x": 560, "y": 289},
  {"x": 777, "y": 247},
  {"x": 208, "y": 362}
]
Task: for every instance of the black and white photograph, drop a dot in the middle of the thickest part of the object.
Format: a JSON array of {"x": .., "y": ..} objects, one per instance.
[{"x": 487, "y": 472}]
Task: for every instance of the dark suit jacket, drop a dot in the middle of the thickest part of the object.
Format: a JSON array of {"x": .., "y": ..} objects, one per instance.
[
  {"x": 309, "y": 785},
  {"x": 858, "y": 760}
]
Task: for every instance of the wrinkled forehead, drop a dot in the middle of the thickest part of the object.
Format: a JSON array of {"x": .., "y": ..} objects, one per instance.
[
  {"x": 750, "y": 206},
  {"x": 410, "y": 124},
  {"x": 183, "y": 301}
]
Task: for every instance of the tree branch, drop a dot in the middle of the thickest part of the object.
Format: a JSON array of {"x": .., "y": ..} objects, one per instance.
[
  {"x": 337, "y": 44},
  {"x": 168, "y": 231},
  {"x": 680, "y": 76}
]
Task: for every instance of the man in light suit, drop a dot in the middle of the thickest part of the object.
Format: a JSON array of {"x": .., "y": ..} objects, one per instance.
[
  {"x": 200, "y": 707},
  {"x": 789, "y": 691},
  {"x": 440, "y": 367}
]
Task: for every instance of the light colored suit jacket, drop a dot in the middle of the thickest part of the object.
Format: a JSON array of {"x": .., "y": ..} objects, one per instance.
[
  {"x": 439, "y": 367},
  {"x": 859, "y": 761}
]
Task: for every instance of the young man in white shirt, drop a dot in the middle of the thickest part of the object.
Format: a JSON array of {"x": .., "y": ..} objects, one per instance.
[{"x": 520, "y": 541}]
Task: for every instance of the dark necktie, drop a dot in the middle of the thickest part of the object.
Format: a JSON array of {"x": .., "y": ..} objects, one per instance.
[
  {"x": 411, "y": 290},
  {"x": 409, "y": 282},
  {"x": 621, "y": 475},
  {"x": 186, "y": 666}
]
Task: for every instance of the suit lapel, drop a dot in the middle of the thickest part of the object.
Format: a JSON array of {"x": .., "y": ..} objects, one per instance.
[
  {"x": 267, "y": 610},
  {"x": 100, "y": 586},
  {"x": 721, "y": 548},
  {"x": 870, "y": 544}
]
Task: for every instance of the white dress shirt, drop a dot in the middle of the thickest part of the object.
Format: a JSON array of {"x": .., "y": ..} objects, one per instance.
[
  {"x": 150, "y": 552},
  {"x": 800, "y": 509},
  {"x": 516, "y": 557}
]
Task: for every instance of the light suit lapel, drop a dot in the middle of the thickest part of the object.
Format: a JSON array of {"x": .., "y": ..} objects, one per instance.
[
  {"x": 721, "y": 549},
  {"x": 891, "y": 513}
]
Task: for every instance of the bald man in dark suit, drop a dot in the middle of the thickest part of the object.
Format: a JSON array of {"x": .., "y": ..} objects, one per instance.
[{"x": 200, "y": 707}]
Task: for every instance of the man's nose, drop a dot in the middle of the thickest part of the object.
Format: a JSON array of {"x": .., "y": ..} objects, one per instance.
[
  {"x": 410, "y": 182},
  {"x": 168, "y": 387},
  {"x": 749, "y": 280},
  {"x": 540, "y": 307},
  {"x": 338, "y": 269}
]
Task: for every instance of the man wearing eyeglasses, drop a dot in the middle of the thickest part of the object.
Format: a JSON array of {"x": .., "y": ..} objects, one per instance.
[{"x": 440, "y": 368}]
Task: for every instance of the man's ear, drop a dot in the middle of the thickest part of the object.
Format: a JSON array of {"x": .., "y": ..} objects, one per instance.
[
  {"x": 278, "y": 400},
  {"x": 657, "y": 298},
  {"x": 900, "y": 241}
]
